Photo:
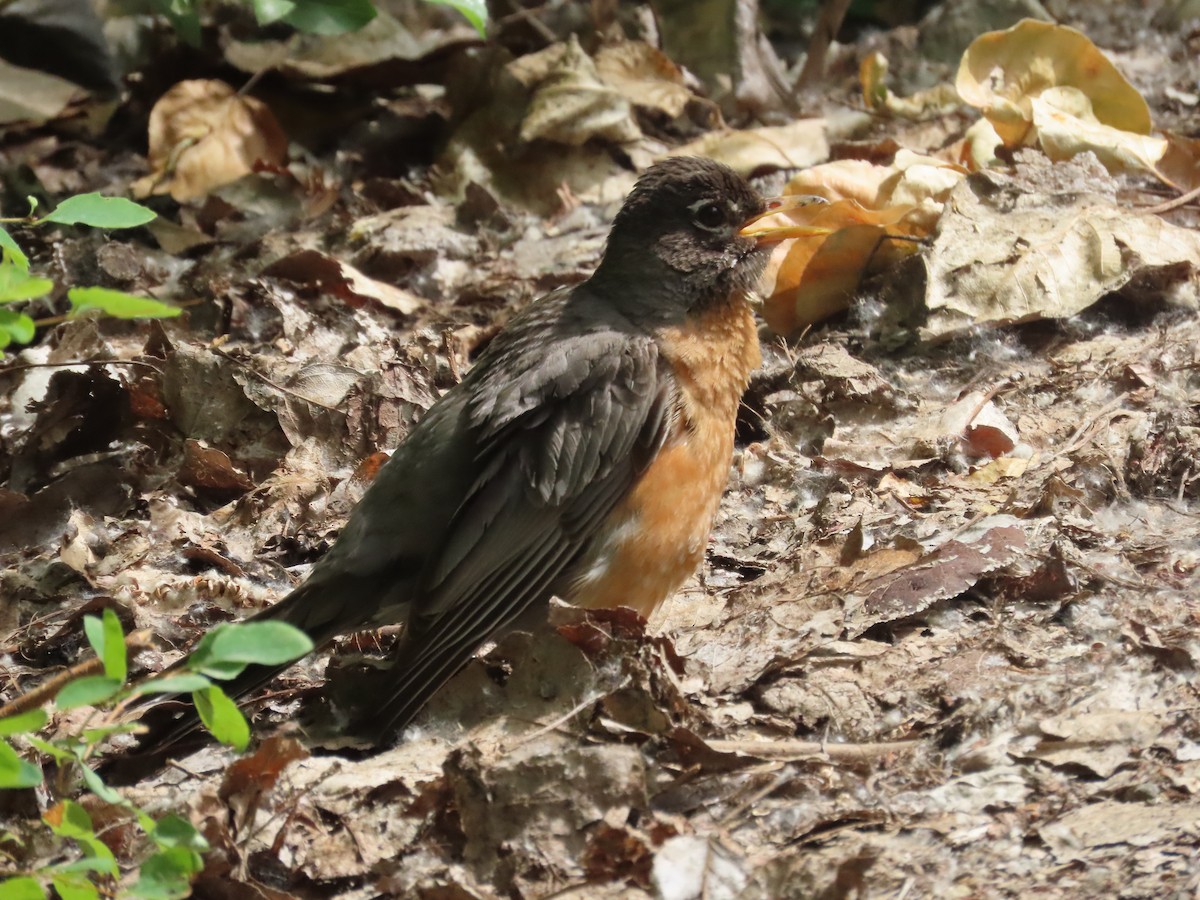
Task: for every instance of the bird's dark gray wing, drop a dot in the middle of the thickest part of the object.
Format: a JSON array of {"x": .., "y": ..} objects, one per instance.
[{"x": 561, "y": 440}]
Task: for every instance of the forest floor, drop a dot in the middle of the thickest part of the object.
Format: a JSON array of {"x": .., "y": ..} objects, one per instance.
[{"x": 944, "y": 643}]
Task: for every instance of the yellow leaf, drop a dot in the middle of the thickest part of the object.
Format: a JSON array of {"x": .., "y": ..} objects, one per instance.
[{"x": 1003, "y": 71}]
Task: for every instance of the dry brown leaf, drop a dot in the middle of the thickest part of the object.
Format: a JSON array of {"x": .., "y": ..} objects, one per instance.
[
  {"x": 644, "y": 76},
  {"x": 27, "y": 95},
  {"x": 1004, "y": 256},
  {"x": 978, "y": 423},
  {"x": 203, "y": 135},
  {"x": 810, "y": 279},
  {"x": 331, "y": 275},
  {"x": 794, "y": 146},
  {"x": 571, "y": 105},
  {"x": 945, "y": 572},
  {"x": 872, "y": 75},
  {"x": 1002, "y": 72}
]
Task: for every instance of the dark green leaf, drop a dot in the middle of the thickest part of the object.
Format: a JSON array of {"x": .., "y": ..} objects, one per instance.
[
  {"x": 87, "y": 691},
  {"x": 475, "y": 12},
  {"x": 175, "y": 831},
  {"x": 119, "y": 304},
  {"x": 24, "y": 723},
  {"x": 100, "y": 212},
  {"x": 331, "y": 16},
  {"x": 167, "y": 875},
  {"x": 16, "y": 772},
  {"x": 221, "y": 716}
]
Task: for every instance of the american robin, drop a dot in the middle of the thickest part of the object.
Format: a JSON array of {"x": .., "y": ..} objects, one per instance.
[{"x": 583, "y": 456}]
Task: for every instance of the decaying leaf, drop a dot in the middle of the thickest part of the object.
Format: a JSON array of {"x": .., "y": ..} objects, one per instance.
[
  {"x": 645, "y": 76},
  {"x": 953, "y": 567},
  {"x": 203, "y": 134},
  {"x": 571, "y": 104},
  {"x": 1003, "y": 256},
  {"x": 325, "y": 273}
]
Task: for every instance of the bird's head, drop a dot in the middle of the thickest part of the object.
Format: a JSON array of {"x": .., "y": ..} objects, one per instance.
[{"x": 676, "y": 240}]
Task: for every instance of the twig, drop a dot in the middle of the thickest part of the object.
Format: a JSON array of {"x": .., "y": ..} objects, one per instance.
[
  {"x": 44, "y": 692},
  {"x": 789, "y": 749},
  {"x": 1168, "y": 205},
  {"x": 828, "y": 23}
]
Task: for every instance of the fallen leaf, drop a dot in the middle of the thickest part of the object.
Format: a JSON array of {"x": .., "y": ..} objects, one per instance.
[
  {"x": 203, "y": 134},
  {"x": 947, "y": 571},
  {"x": 644, "y": 76},
  {"x": 1002, "y": 72},
  {"x": 1002, "y": 256},
  {"x": 330, "y": 275},
  {"x": 571, "y": 104}
]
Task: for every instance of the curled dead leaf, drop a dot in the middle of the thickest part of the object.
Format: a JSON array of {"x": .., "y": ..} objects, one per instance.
[
  {"x": 1002, "y": 72},
  {"x": 572, "y": 105},
  {"x": 644, "y": 76},
  {"x": 203, "y": 134},
  {"x": 876, "y": 217}
]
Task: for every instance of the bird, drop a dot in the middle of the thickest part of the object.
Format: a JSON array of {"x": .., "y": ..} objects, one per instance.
[{"x": 583, "y": 456}]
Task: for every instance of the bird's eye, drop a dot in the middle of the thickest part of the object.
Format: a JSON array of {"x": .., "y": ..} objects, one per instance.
[{"x": 709, "y": 216}]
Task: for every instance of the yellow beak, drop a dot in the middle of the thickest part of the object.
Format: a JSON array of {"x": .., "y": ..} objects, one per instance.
[{"x": 775, "y": 233}]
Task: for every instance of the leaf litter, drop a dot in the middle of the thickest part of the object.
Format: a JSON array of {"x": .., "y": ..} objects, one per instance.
[{"x": 945, "y": 639}]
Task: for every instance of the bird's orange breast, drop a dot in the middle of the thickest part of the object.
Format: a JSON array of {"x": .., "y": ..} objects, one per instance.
[{"x": 656, "y": 536}]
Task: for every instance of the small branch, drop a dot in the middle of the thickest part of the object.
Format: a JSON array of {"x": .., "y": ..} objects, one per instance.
[
  {"x": 46, "y": 691},
  {"x": 789, "y": 749},
  {"x": 828, "y": 23}
]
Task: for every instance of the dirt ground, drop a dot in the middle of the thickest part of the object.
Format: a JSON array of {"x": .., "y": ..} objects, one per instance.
[{"x": 945, "y": 640}]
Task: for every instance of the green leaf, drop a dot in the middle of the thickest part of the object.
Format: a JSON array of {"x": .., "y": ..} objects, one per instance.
[
  {"x": 88, "y": 691},
  {"x": 100, "y": 212},
  {"x": 24, "y": 723},
  {"x": 70, "y": 820},
  {"x": 475, "y": 12},
  {"x": 73, "y": 823},
  {"x": 96, "y": 785},
  {"x": 266, "y": 643},
  {"x": 221, "y": 716},
  {"x": 17, "y": 284},
  {"x": 92, "y": 736},
  {"x": 172, "y": 684},
  {"x": 268, "y": 11},
  {"x": 119, "y": 304},
  {"x": 108, "y": 640},
  {"x": 55, "y": 752},
  {"x": 74, "y": 887},
  {"x": 21, "y": 888},
  {"x": 16, "y": 772},
  {"x": 15, "y": 326},
  {"x": 167, "y": 874},
  {"x": 175, "y": 831},
  {"x": 78, "y": 866},
  {"x": 10, "y": 250},
  {"x": 331, "y": 16}
]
